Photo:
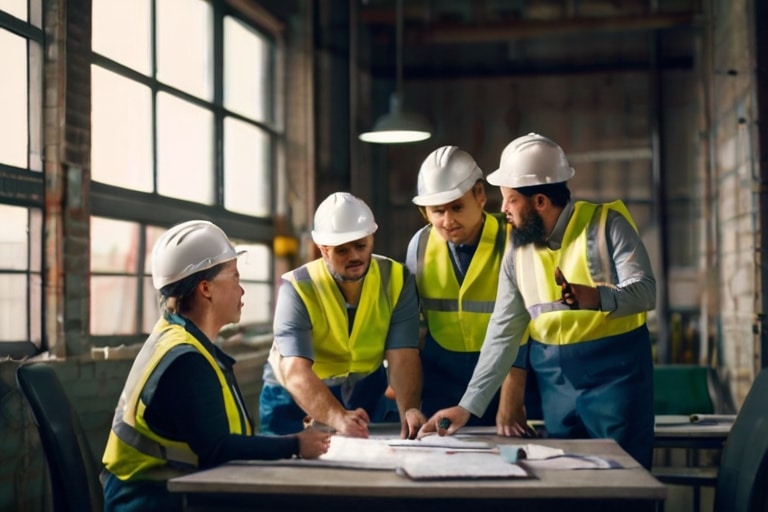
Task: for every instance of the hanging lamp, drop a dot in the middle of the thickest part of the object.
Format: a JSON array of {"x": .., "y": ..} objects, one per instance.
[{"x": 398, "y": 126}]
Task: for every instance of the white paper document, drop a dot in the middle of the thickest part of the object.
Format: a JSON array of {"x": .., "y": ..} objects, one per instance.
[
  {"x": 436, "y": 441},
  {"x": 458, "y": 465}
]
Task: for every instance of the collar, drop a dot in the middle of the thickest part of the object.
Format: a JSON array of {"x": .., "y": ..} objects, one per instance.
[{"x": 555, "y": 239}]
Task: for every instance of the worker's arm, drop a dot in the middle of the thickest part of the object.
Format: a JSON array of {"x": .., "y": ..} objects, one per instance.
[
  {"x": 314, "y": 397},
  {"x": 404, "y": 368}
]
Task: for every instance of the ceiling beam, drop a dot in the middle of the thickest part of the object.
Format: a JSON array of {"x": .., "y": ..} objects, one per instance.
[{"x": 446, "y": 33}]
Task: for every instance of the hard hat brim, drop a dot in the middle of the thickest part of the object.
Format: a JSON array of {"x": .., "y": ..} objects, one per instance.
[
  {"x": 499, "y": 178},
  {"x": 439, "y": 198},
  {"x": 335, "y": 239},
  {"x": 453, "y": 194}
]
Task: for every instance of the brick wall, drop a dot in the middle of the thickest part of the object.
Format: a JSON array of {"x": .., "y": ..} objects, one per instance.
[{"x": 735, "y": 175}]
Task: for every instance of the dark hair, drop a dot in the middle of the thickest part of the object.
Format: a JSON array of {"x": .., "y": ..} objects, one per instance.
[
  {"x": 173, "y": 295},
  {"x": 558, "y": 193}
]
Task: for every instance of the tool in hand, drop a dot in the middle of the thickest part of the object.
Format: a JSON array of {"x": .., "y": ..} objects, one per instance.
[{"x": 568, "y": 297}]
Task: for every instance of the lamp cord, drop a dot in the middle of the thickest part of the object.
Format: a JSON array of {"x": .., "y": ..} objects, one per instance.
[{"x": 399, "y": 49}]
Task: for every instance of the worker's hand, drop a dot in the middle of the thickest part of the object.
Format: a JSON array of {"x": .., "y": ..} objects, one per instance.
[
  {"x": 445, "y": 422},
  {"x": 353, "y": 423},
  {"x": 414, "y": 419},
  {"x": 511, "y": 421},
  {"x": 577, "y": 296},
  {"x": 313, "y": 443}
]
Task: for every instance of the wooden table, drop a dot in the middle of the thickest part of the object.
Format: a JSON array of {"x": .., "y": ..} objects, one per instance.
[{"x": 237, "y": 486}]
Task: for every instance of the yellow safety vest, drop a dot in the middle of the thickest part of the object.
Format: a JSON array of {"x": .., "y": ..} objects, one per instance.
[
  {"x": 133, "y": 449},
  {"x": 337, "y": 352},
  {"x": 535, "y": 272},
  {"x": 457, "y": 315}
]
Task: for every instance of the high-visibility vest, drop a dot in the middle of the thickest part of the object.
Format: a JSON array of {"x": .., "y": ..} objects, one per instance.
[
  {"x": 535, "y": 272},
  {"x": 337, "y": 351},
  {"x": 133, "y": 449},
  {"x": 457, "y": 315}
]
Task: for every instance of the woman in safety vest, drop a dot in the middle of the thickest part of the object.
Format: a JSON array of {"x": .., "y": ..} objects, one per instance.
[{"x": 181, "y": 408}]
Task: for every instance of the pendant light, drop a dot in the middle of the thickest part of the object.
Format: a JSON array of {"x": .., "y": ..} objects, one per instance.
[{"x": 398, "y": 126}]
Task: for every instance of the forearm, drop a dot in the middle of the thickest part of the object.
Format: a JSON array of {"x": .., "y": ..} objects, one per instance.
[
  {"x": 311, "y": 393},
  {"x": 405, "y": 377},
  {"x": 513, "y": 388}
]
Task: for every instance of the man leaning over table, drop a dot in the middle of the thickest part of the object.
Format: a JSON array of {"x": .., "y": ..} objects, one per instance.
[
  {"x": 578, "y": 278},
  {"x": 337, "y": 319}
]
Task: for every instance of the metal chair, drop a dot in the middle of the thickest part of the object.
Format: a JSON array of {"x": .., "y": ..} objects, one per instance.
[
  {"x": 73, "y": 471},
  {"x": 741, "y": 480}
]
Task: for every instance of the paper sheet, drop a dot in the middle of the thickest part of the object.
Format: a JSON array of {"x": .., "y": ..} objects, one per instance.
[
  {"x": 455, "y": 465},
  {"x": 436, "y": 441},
  {"x": 514, "y": 452},
  {"x": 572, "y": 461}
]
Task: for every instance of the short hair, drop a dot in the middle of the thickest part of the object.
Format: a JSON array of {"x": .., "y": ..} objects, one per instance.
[{"x": 558, "y": 193}]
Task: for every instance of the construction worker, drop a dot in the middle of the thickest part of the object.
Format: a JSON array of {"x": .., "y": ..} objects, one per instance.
[
  {"x": 181, "y": 408},
  {"x": 579, "y": 280},
  {"x": 337, "y": 319},
  {"x": 456, "y": 260}
]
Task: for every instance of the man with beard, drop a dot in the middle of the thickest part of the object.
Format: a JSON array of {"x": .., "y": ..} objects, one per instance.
[
  {"x": 578, "y": 279},
  {"x": 456, "y": 259},
  {"x": 337, "y": 319}
]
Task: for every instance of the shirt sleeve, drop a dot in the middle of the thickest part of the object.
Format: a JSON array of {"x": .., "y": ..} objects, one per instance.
[
  {"x": 188, "y": 406},
  {"x": 404, "y": 325},
  {"x": 411, "y": 254},
  {"x": 635, "y": 290},
  {"x": 506, "y": 328},
  {"x": 291, "y": 325}
]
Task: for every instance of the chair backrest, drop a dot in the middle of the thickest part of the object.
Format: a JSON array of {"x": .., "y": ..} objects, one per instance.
[
  {"x": 683, "y": 389},
  {"x": 71, "y": 465},
  {"x": 742, "y": 479}
]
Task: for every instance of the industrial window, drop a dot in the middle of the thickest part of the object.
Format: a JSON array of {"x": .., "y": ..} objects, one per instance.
[
  {"x": 184, "y": 125},
  {"x": 21, "y": 180}
]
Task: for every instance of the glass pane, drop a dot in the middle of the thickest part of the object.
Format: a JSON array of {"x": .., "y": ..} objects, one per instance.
[
  {"x": 118, "y": 21},
  {"x": 151, "y": 309},
  {"x": 14, "y": 249},
  {"x": 257, "y": 303},
  {"x": 121, "y": 136},
  {"x": 13, "y": 307},
  {"x": 247, "y": 181},
  {"x": 246, "y": 72},
  {"x": 184, "y": 42},
  {"x": 114, "y": 245},
  {"x": 152, "y": 233},
  {"x": 184, "y": 150},
  {"x": 254, "y": 265},
  {"x": 16, "y": 8},
  {"x": 14, "y": 125},
  {"x": 113, "y": 305}
]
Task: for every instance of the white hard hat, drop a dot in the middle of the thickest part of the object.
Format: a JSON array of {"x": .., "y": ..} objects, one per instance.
[
  {"x": 531, "y": 160},
  {"x": 187, "y": 248},
  {"x": 446, "y": 175},
  {"x": 342, "y": 218}
]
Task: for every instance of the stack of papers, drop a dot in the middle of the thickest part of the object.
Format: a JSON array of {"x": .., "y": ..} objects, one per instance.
[{"x": 464, "y": 465}]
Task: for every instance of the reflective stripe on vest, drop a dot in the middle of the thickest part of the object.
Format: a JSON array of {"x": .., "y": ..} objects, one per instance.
[
  {"x": 133, "y": 449},
  {"x": 337, "y": 352},
  {"x": 457, "y": 315},
  {"x": 583, "y": 258}
]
